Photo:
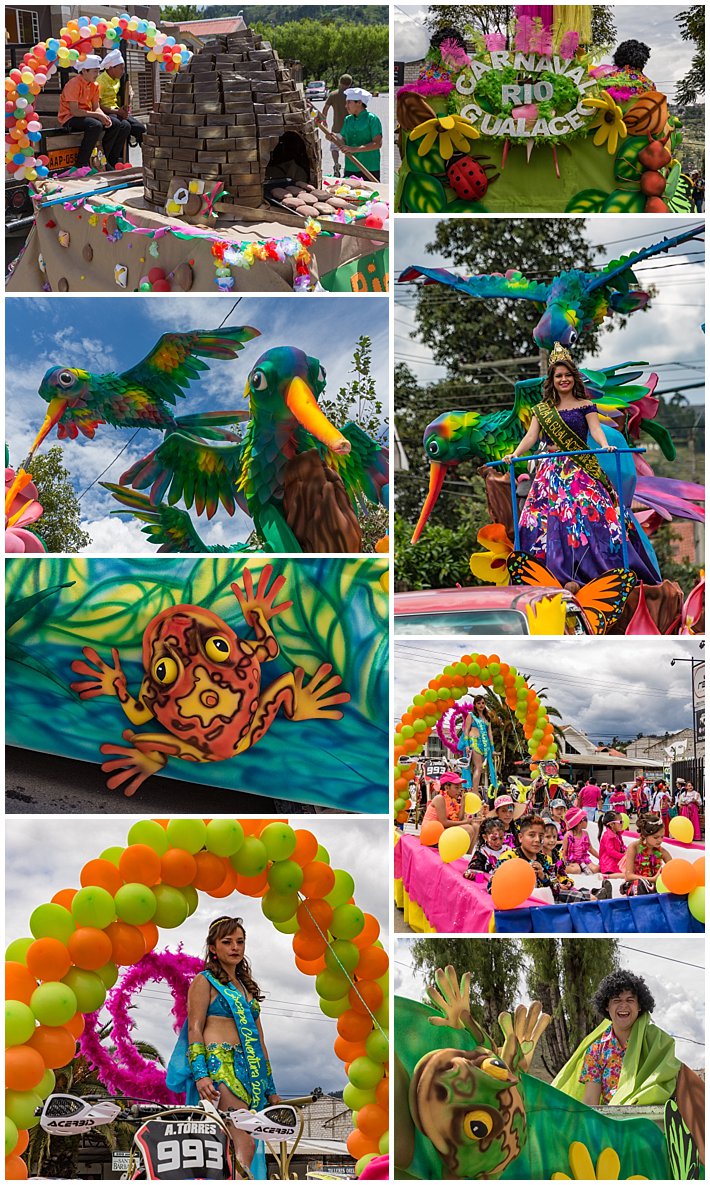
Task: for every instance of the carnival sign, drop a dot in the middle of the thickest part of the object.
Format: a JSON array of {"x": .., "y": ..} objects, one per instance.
[{"x": 526, "y": 95}]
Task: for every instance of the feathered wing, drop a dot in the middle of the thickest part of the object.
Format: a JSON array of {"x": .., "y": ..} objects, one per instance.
[
  {"x": 185, "y": 466},
  {"x": 169, "y": 528},
  {"x": 512, "y": 285},
  {"x": 620, "y": 269},
  {"x": 176, "y": 360},
  {"x": 365, "y": 469}
]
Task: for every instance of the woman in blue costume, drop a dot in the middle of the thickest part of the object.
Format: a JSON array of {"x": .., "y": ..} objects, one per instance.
[
  {"x": 478, "y": 739},
  {"x": 570, "y": 521},
  {"x": 221, "y": 1054}
]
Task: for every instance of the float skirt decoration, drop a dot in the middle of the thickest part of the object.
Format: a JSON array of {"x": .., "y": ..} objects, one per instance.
[
  {"x": 61, "y": 970},
  {"x": 310, "y": 635}
]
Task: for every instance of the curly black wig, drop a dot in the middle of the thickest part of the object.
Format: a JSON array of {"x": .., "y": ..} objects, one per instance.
[
  {"x": 448, "y": 33},
  {"x": 622, "y": 981},
  {"x": 632, "y": 53}
]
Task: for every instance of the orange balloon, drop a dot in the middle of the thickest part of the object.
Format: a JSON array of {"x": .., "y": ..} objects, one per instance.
[
  {"x": 315, "y": 915},
  {"x": 430, "y": 832},
  {"x": 24, "y": 1068},
  {"x": 177, "y": 868},
  {"x": 23, "y": 1139},
  {"x": 90, "y": 948},
  {"x": 252, "y": 886},
  {"x": 699, "y": 871},
  {"x": 366, "y": 996},
  {"x": 211, "y": 871},
  {"x": 55, "y": 1045},
  {"x": 318, "y": 879},
  {"x": 310, "y": 968},
  {"x": 512, "y": 883},
  {"x": 163, "y": 823},
  {"x": 228, "y": 886},
  {"x": 347, "y": 1052},
  {"x": 678, "y": 876},
  {"x": 382, "y": 1093},
  {"x": 308, "y": 946},
  {"x": 150, "y": 933},
  {"x": 65, "y": 897},
  {"x": 15, "y": 1168},
  {"x": 361, "y": 1145},
  {"x": 102, "y": 873},
  {"x": 373, "y": 1121},
  {"x": 306, "y": 847},
  {"x": 369, "y": 933},
  {"x": 373, "y": 963},
  {"x": 127, "y": 943},
  {"x": 402, "y": 816},
  {"x": 19, "y": 982},
  {"x": 48, "y": 958},
  {"x": 138, "y": 864},
  {"x": 354, "y": 1026},
  {"x": 76, "y": 1025}
]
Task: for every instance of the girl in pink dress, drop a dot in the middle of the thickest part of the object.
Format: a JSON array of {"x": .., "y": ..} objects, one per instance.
[
  {"x": 645, "y": 857},
  {"x": 576, "y": 845},
  {"x": 688, "y": 801},
  {"x": 612, "y": 849}
]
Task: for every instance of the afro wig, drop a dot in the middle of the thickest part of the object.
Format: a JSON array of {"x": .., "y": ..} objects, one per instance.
[
  {"x": 622, "y": 981},
  {"x": 632, "y": 53}
]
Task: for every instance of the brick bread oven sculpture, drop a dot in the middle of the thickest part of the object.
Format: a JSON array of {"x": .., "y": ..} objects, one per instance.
[{"x": 233, "y": 115}]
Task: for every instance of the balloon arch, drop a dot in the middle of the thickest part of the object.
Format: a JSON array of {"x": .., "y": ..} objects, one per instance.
[
  {"x": 23, "y": 128},
  {"x": 62, "y": 973},
  {"x": 455, "y": 681}
]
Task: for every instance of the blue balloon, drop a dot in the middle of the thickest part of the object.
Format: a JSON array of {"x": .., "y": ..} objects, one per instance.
[
  {"x": 34, "y": 136},
  {"x": 22, "y": 88},
  {"x": 19, "y": 158},
  {"x": 83, "y": 20},
  {"x": 170, "y": 41},
  {"x": 42, "y": 170}
]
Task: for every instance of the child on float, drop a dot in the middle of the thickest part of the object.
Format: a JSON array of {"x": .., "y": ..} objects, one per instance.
[
  {"x": 447, "y": 807},
  {"x": 507, "y": 811},
  {"x": 612, "y": 849},
  {"x": 488, "y": 849},
  {"x": 558, "y": 809},
  {"x": 531, "y": 829},
  {"x": 577, "y": 847},
  {"x": 645, "y": 857}
]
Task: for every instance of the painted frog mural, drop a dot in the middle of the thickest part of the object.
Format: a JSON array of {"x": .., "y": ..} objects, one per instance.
[{"x": 202, "y": 684}]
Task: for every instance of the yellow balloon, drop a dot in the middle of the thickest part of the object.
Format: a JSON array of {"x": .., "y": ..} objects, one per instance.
[
  {"x": 453, "y": 843},
  {"x": 471, "y": 803},
  {"x": 681, "y": 829}
]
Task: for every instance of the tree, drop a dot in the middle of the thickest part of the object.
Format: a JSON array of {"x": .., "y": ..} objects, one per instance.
[
  {"x": 494, "y": 18},
  {"x": 59, "y": 527},
  {"x": 563, "y": 974},
  {"x": 692, "y": 28},
  {"x": 328, "y": 50},
  {"x": 495, "y": 967},
  {"x": 182, "y": 12}
]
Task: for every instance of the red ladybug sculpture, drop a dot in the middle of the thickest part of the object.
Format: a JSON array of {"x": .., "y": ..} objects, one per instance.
[{"x": 467, "y": 178}]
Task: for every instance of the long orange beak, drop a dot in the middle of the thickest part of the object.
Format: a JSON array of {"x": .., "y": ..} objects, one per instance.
[
  {"x": 55, "y": 411},
  {"x": 301, "y": 401},
  {"x": 437, "y": 473}
]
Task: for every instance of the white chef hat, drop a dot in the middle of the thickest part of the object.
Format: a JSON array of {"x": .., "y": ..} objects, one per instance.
[
  {"x": 92, "y": 61},
  {"x": 356, "y": 94},
  {"x": 113, "y": 58}
]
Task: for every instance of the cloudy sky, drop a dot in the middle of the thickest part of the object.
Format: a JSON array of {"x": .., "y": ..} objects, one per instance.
[
  {"x": 299, "y": 1037},
  {"x": 605, "y": 686},
  {"x": 667, "y": 336},
  {"x": 115, "y": 334},
  {"x": 674, "y": 970}
]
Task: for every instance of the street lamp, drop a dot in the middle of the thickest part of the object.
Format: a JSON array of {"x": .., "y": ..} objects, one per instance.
[{"x": 694, "y": 662}]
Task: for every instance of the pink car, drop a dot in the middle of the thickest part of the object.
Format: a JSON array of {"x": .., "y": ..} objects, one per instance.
[{"x": 479, "y": 611}]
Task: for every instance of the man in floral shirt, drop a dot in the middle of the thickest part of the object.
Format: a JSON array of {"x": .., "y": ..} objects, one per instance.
[{"x": 623, "y": 997}]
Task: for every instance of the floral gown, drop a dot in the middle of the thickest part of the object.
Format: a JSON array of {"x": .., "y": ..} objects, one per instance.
[{"x": 569, "y": 521}]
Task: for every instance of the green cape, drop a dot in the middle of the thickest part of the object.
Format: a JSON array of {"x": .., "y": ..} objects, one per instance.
[{"x": 649, "y": 1072}]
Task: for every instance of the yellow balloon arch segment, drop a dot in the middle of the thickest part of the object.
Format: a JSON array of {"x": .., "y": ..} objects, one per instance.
[
  {"x": 455, "y": 681},
  {"x": 128, "y": 894}
]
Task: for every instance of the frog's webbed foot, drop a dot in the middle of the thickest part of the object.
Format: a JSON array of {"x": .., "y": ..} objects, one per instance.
[
  {"x": 102, "y": 679},
  {"x": 263, "y": 598},
  {"x": 522, "y": 1033},
  {"x": 453, "y": 1001},
  {"x": 132, "y": 765},
  {"x": 318, "y": 699}
]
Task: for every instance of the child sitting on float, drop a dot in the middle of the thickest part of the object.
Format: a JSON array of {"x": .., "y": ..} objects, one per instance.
[
  {"x": 507, "y": 812},
  {"x": 558, "y": 808},
  {"x": 447, "y": 807},
  {"x": 531, "y": 829},
  {"x": 576, "y": 846},
  {"x": 486, "y": 855},
  {"x": 612, "y": 849},
  {"x": 644, "y": 857}
]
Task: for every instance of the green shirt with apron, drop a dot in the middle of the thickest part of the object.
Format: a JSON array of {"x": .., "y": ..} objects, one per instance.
[{"x": 357, "y": 130}]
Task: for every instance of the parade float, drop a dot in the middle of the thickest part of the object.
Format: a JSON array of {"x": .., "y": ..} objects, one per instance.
[
  {"x": 80, "y": 941},
  {"x": 529, "y": 120},
  {"x": 429, "y": 885},
  {"x": 305, "y": 483},
  {"x": 230, "y": 195},
  {"x": 215, "y": 672},
  {"x": 618, "y": 600},
  {"x": 468, "y": 1107}
]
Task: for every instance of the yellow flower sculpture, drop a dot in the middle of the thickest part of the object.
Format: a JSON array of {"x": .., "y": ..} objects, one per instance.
[
  {"x": 582, "y": 1168},
  {"x": 548, "y": 616},
  {"x": 609, "y": 122},
  {"x": 451, "y": 131},
  {"x": 491, "y": 565}
]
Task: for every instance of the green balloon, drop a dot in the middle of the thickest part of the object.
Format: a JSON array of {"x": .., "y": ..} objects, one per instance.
[
  {"x": 19, "y": 1022},
  {"x": 362, "y": 1163},
  {"x": 17, "y": 950},
  {"x": 384, "y": 1144},
  {"x": 47, "y": 1084},
  {"x": 290, "y": 926},
  {"x": 88, "y": 987},
  {"x": 94, "y": 906},
  {"x": 108, "y": 974},
  {"x": 381, "y": 1014},
  {"x": 52, "y": 921},
  {"x": 323, "y": 854},
  {"x": 286, "y": 876},
  {"x": 192, "y": 898},
  {"x": 135, "y": 904},
  {"x": 251, "y": 859},
  {"x": 188, "y": 834},
  {"x": 355, "y": 1098},
  {"x": 365, "y": 1074},
  {"x": 342, "y": 890},
  {"x": 334, "y": 1008},
  {"x": 170, "y": 907},
  {"x": 348, "y": 921},
  {"x": 224, "y": 836},
  {"x": 21, "y": 1105},
  {"x": 660, "y": 887},
  {"x": 53, "y": 1004},
  {"x": 279, "y": 907},
  {"x": 150, "y": 833},
  {"x": 342, "y": 954},
  {"x": 332, "y": 985},
  {"x": 696, "y": 903},
  {"x": 377, "y": 1046},
  {"x": 112, "y": 854},
  {"x": 11, "y": 1136}
]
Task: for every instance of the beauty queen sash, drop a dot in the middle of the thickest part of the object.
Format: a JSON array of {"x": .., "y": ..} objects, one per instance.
[{"x": 568, "y": 441}]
